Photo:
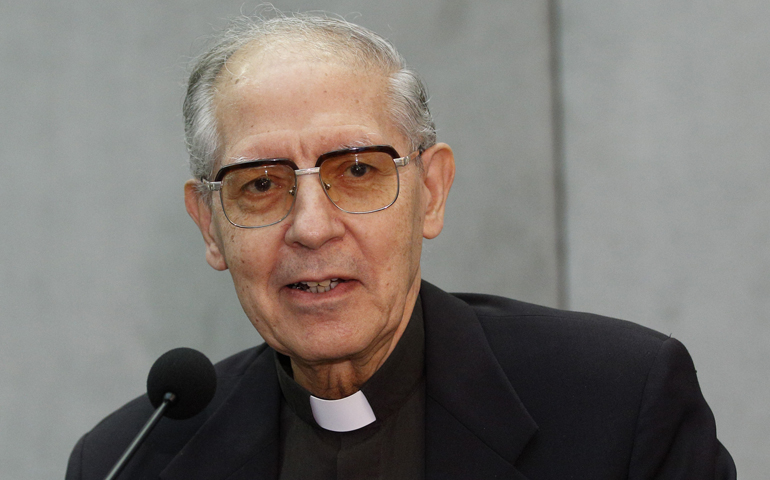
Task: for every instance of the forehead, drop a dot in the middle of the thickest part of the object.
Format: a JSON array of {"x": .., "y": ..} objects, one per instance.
[{"x": 294, "y": 99}]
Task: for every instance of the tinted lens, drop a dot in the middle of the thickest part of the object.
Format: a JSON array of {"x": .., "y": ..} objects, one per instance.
[
  {"x": 360, "y": 182},
  {"x": 258, "y": 196}
]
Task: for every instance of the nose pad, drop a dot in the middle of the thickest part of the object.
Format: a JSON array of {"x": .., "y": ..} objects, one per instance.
[{"x": 331, "y": 194}]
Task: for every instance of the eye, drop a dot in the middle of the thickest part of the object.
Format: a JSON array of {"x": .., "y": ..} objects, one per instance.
[
  {"x": 359, "y": 169},
  {"x": 261, "y": 184}
]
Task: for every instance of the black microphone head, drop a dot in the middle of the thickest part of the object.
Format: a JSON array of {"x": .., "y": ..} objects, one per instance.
[{"x": 186, "y": 373}]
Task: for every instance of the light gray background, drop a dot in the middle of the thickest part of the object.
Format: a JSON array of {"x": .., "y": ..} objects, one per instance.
[{"x": 612, "y": 157}]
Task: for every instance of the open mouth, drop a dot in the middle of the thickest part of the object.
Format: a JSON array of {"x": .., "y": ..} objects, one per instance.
[{"x": 317, "y": 287}]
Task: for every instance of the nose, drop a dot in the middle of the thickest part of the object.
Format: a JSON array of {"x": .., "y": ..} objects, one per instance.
[{"x": 314, "y": 219}]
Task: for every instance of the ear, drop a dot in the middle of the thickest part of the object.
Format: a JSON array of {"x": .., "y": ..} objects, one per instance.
[
  {"x": 438, "y": 173},
  {"x": 201, "y": 214}
]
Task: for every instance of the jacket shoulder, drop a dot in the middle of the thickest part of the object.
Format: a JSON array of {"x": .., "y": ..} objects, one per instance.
[
  {"x": 546, "y": 351},
  {"x": 584, "y": 376},
  {"x": 98, "y": 450},
  {"x": 521, "y": 322}
]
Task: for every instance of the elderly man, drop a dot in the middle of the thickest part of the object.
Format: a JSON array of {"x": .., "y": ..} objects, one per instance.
[{"x": 317, "y": 175}]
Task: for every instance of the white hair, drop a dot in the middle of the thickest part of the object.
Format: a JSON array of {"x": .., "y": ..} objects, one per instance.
[{"x": 325, "y": 35}]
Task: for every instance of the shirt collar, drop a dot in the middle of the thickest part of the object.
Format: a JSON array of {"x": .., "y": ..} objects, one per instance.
[{"x": 384, "y": 393}]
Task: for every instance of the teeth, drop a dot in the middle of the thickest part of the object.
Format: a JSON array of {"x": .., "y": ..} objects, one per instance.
[{"x": 318, "y": 287}]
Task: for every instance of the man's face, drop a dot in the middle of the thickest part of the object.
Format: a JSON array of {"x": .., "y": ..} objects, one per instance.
[{"x": 296, "y": 108}]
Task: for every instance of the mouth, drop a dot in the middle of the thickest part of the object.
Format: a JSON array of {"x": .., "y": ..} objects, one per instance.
[{"x": 317, "y": 287}]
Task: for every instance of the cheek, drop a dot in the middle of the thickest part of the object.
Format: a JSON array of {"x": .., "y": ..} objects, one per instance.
[
  {"x": 250, "y": 257},
  {"x": 249, "y": 269},
  {"x": 413, "y": 217},
  {"x": 401, "y": 235}
]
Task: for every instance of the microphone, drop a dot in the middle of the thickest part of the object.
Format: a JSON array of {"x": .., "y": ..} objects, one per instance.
[
  {"x": 186, "y": 373},
  {"x": 180, "y": 384}
]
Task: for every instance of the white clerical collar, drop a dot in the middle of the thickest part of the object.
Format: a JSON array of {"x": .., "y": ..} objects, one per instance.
[{"x": 343, "y": 415}]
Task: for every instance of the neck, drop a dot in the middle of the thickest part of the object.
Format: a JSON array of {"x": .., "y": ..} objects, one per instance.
[
  {"x": 337, "y": 379},
  {"x": 333, "y": 381}
]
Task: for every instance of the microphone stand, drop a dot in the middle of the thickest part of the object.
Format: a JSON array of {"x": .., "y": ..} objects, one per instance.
[{"x": 168, "y": 399}]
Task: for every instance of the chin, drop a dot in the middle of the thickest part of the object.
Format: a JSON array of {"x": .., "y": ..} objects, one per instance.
[{"x": 329, "y": 350}]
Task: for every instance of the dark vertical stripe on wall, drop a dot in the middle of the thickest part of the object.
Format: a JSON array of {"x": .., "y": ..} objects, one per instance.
[{"x": 557, "y": 125}]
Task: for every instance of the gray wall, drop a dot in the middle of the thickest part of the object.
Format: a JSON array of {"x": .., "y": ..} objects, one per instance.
[
  {"x": 644, "y": 200},
  {"x": 667, "y": 173}
]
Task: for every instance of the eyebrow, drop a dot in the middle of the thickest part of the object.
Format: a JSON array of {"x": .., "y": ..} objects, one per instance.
[
  {"x": 367, "y": 142},
  {"x": 253, "y": 159}
]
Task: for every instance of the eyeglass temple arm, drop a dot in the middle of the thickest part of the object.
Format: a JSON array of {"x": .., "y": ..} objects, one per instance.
[
  {"x": 211, "y": 186},
  {"x": 404, "y": 161}
]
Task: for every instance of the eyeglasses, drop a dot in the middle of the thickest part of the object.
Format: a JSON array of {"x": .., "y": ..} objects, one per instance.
[{"x": 259, "y": 193}]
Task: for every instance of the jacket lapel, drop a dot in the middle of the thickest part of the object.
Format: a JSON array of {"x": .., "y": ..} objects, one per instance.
[
  {"x": 240, "y": 439},
  {"x": 476, "y": 425}
]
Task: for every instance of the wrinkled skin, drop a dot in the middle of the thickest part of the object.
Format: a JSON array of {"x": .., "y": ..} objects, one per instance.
[{"x": 269, "y": 105}]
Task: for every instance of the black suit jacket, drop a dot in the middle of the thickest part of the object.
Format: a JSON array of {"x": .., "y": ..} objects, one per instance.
[{"x": 514, "y": 391}]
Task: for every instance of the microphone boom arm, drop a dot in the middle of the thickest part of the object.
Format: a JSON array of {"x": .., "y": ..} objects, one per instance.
[{"x": 168, "y": 399}]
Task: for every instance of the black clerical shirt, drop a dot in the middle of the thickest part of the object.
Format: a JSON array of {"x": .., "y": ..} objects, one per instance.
[{"x": 393, "y": 447}]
